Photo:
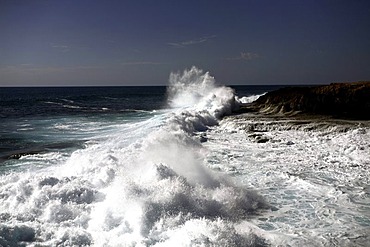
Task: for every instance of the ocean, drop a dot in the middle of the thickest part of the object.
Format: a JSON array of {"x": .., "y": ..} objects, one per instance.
[{"x": 175, "y": 166}]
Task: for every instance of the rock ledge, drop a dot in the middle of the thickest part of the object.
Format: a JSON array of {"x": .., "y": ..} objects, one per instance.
[{"x": 339, "y": 100}]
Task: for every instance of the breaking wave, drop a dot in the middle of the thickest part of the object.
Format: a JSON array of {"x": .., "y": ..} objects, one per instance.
[{"x": 144, "y": 184}]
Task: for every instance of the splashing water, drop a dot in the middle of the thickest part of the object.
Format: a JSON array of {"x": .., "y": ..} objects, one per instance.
[
  {"x": 197, "y": 90},
  {"x": 143, "y": 184}
]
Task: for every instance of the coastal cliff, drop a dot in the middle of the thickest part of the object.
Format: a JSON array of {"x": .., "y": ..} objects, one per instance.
[{"x": 340, "y": 100}]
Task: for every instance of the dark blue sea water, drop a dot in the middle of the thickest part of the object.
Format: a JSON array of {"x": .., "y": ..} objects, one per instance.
[
  {"x": 40, "y": 119},
  {"x": 57, "y": 101},
  {"x": 37, "y": 120},
  {"x": 18, "y": 102}
]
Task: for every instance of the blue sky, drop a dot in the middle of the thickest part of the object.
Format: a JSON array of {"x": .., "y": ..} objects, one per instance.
[{"x": 88, "y": 42}]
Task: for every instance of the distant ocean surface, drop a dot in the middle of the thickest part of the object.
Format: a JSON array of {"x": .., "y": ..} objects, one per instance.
[{"x": 168, "y": 166}]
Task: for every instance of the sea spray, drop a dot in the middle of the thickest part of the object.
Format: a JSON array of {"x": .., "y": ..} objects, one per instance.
[
  {"x": 143, "y": 187},
  {"x": 245, "y": 100},
  {"x": 198, "y": 91},
  {"x": 198, "y": 103},
  {"x": 187, "y": 89}
]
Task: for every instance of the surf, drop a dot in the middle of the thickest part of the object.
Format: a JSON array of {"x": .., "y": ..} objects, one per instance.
[{"x": 142, "y": 183}]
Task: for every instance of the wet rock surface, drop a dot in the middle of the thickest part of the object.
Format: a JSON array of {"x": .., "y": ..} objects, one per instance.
[{"x": 339, "y": 100}]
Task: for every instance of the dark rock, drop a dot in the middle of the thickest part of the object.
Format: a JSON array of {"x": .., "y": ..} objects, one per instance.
[
  {"x": 259, "y": 138},
  {"x": 342, "y": 100},
  {"x": 262, "y": 140},
  {"x": 203, "y": 138}
]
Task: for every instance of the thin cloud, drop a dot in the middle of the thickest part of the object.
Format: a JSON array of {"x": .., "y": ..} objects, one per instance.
[
  {"x": 191, "y": 42},
  {"x": 39, "y": 69},
  {"x": 140, "y": 63},
  {"x": 27, "y": 69},
  {"x": 249, "y": 55},
  {"x": 62, "y": 48},
  {"x": 246, "y": 56}
]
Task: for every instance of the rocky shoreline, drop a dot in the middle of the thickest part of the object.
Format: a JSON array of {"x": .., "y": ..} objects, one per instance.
[{"x": 338, "y": 100}]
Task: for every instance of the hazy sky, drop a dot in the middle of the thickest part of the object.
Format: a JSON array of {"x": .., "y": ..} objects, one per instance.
[{"x": 139, "y": 42}]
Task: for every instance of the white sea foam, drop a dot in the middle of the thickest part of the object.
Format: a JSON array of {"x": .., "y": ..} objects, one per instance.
[
  {"x": 249, "y": 99},
  {"x": 315, "y": 173},
  {"x": 182, "y": 177},
  {"x": 143, "y": 183}
]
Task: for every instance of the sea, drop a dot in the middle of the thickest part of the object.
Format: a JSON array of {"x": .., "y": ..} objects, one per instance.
[{"x": 179, "y": 165}]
